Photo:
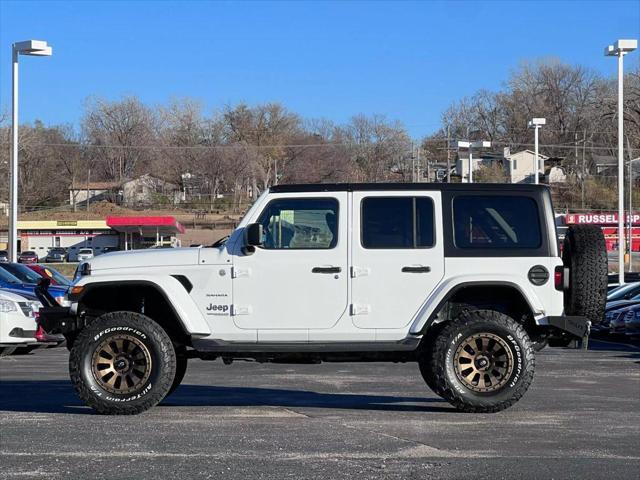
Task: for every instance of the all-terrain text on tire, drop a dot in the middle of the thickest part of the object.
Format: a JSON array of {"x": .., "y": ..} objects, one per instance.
[{"x": 466, "y": 280}]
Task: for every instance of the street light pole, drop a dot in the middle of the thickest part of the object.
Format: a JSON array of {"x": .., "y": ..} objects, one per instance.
[
  {"x": 536, "y": 124},
  {"x": 13, "y": 170},
  {"x": 34, "y": 48},
  {"x": 631, "y": 162},
  {"x": 620, "y": 49},
  {"x": 470, "y": 146}
]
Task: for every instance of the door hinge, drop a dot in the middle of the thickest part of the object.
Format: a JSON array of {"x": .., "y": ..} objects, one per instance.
[
  {"x": 359, "y": 272},
  {"x": 240, "y": 272},
  {"x": 360, "y": 309},
  {"x": 241, "y": 310}
]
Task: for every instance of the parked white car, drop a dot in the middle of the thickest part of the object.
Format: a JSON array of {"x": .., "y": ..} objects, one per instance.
[
  {"x": 17, "y": 321},
  {"x": 85, "y": 254}
]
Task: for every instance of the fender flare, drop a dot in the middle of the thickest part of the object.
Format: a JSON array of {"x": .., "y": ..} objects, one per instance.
[
  {"x": 427, "y": 314},
  {"x": 171, "y": 289}
]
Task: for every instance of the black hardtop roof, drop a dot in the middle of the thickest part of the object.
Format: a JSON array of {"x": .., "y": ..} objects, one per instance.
[{"x": 350, "y": 187}]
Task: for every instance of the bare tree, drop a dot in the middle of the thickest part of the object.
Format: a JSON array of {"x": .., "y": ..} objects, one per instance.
[{"x": 120, "y": 135}]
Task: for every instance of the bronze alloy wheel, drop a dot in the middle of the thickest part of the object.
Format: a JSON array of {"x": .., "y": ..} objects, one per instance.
[
  {"x": 121, "y": 364},
  {"x": 483, "y": 362}
]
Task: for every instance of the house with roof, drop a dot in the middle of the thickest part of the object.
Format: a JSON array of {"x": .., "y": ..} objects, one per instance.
[
  {"x": 80, "y": 192},
  {"x": 520, "y": 166},
  {"x": 140, "y": 191}
]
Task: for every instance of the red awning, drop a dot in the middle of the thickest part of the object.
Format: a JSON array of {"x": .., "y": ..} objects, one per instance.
[{"x": 147, "y": 226}]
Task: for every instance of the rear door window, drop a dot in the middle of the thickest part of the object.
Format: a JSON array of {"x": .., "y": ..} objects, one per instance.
[
  {"x": 496, "y": 221},
  {"x": 397, "y": 222}
]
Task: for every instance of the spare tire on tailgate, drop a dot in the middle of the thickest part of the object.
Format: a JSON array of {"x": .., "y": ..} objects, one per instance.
[{"x": 585, "y": 254}]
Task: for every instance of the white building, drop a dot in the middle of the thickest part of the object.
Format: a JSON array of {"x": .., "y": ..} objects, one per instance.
[
  {"x": 41, "y": 236},
  {"x": 520, "y": 167},
  {"x": 94, "y": 191}
]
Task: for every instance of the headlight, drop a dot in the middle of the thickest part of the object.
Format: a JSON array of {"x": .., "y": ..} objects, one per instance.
[
  {"x": 62, "y": 301},
  {"x": 7, "y": 306}
]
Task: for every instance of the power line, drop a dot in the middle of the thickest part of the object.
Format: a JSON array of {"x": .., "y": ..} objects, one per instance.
[{"x": 569, "y": 146}]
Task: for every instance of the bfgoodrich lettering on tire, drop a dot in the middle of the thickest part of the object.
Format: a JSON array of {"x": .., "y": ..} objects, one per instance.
[
  {"x": 481, "y": 362},
  {"x": 122, "y": 363}
]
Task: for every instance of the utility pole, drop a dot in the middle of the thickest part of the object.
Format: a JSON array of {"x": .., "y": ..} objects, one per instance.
[
  {"x": 413, "y": 163},
  {"x": 584, "y": 146},
  {"x": 630, "y": 217},
  {"x": 88, "y": 182}
]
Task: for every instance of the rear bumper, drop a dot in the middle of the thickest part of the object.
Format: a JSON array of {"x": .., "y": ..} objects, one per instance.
[{"x": 578, "y": 327}]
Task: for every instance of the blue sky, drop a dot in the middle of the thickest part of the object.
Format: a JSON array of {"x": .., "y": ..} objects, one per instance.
[{"x": 407, "y": 60}]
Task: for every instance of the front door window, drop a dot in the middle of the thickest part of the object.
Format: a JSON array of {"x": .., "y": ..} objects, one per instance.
[{"x": 300, "y": 224}]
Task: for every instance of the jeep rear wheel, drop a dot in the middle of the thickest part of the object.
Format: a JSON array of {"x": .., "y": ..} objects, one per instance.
[
  {"x": 122, "y": 363},
  {"x": 481, "y": 362}
]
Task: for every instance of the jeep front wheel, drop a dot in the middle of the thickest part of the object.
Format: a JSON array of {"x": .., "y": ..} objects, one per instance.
[
  {"x": 123, "y": 363},
  {"x": 481, "y": 362}
]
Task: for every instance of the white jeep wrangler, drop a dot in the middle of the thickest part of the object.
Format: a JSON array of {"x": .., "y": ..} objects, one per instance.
[{"x": 466, "y": 280}]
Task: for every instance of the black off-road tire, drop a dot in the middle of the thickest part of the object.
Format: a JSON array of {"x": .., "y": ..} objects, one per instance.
[
  {"x": 584, "y": 252},
  {"x": 152, "y": 340},
  {"x": 181, "y": 370},
  {"x": 440, "y": 368},
  {"x": 425, "y": 357}
]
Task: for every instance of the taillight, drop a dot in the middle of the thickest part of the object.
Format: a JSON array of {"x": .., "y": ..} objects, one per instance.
[
  {"x": 43, "y": 336},
  {"x": 558, "y": 277}
]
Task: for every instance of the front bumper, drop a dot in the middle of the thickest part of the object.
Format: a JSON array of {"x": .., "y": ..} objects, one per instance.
[
  {"x": 58, "y": 320},
  {"x": 17, "y": 330}
]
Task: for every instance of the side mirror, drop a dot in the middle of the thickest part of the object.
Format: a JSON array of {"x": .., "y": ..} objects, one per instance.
[{"x": 253, "y": 235}]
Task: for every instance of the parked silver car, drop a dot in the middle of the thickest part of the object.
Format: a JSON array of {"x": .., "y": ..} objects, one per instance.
[{"x": 85, "y": 254}]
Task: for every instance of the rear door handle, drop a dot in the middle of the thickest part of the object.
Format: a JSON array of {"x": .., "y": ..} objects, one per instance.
[
  {"x": 326, "y": 270},
  {"x": 420, "y": 269}
]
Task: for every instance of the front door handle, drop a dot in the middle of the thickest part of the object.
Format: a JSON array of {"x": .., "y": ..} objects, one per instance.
[
  {"x": 419, "y": 269},
  {"x": 326, "y": 270}
]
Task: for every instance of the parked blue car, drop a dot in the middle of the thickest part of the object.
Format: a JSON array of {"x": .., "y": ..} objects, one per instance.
[{"x": 24, "y": 281}]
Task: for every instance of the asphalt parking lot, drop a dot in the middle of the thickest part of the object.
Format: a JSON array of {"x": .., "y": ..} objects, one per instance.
[{"x": 580, "y": 419}]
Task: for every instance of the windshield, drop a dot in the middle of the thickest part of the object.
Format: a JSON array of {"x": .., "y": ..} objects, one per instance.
[
  {"x": 22, "y": 273},
  {"x": 85, "y": 250},
  {"x": 625, "y": 291},
  {"x": 57, "y": 276},
  {"x": 7, "y": 277}
]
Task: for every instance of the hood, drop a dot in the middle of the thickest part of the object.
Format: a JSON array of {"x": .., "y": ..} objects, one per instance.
[
  {"x": 619, "y": 304},
  {"x": 153, "y": 257},
  {"x": 14, "y": 297}
]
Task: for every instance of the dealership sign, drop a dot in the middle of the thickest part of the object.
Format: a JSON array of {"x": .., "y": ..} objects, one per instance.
[{"x": 599, "y": 218}]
